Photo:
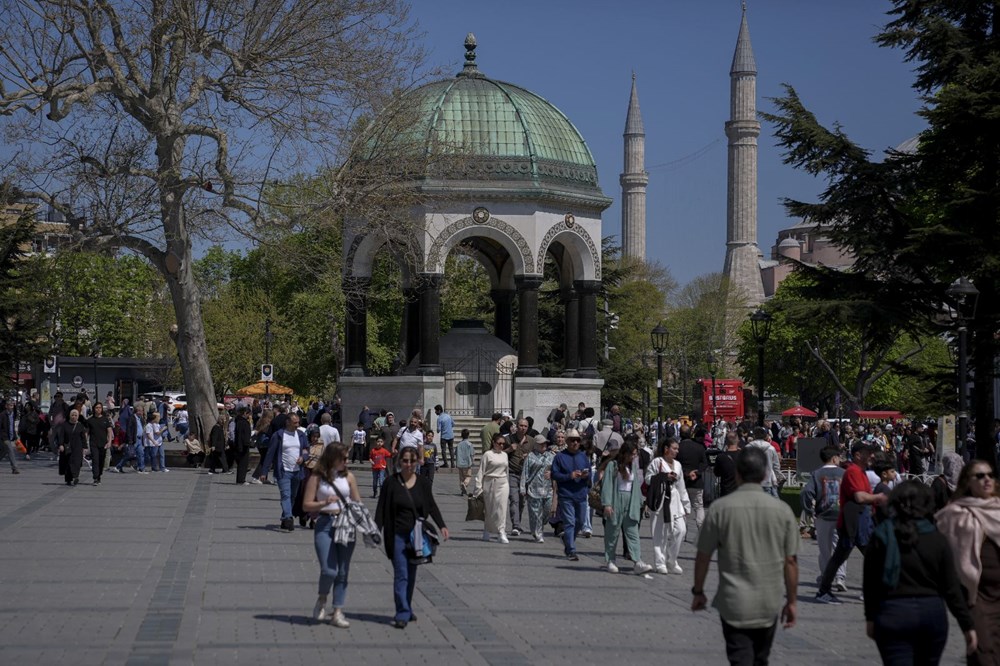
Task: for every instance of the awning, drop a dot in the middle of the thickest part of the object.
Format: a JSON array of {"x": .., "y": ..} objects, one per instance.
[
  {"x": 265, "y": 388},
  {"x": 877, "y": 416},
  {"x": 799, "y": 410}
]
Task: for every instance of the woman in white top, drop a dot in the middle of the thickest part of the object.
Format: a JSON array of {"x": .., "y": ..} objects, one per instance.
[
  {"x": 668, "y": 524},
  {"x": 154, "y": 443},
  {"x": 492, "y": 484},
  {"x": 321, "y": 495}
]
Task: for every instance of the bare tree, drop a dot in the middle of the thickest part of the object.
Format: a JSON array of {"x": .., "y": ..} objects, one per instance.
[{"x": 164, "y": 120}]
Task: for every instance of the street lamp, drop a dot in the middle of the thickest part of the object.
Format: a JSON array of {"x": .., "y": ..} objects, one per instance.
[
  {"x": 659, "y": 337},
  {"x": 760, "y": 327},
  {"x": 713, "y": 370},
  {"x": 965, "y": 295},
  {"x": 268, "y": 338},
  {"x": 95, "y": 351}
]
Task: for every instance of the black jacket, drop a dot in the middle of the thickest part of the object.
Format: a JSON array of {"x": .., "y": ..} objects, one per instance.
[
  {"x": 244, "y": 435},
  {"x": 396, "y": 512},
  {"x": 692, "y": 457}
]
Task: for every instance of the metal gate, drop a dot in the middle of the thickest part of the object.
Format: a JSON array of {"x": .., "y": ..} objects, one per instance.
[{"x": 479, "y": 385}]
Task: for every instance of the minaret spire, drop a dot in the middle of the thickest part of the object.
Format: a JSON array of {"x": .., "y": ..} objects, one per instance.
[
  {"x": 742, "y": 253},
  {"x": 634, "y": 180}
]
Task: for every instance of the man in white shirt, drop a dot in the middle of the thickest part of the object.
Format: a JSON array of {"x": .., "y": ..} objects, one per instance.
[
  {"x": 762, "y": 440},
  {"x": 327, "y": 432}
]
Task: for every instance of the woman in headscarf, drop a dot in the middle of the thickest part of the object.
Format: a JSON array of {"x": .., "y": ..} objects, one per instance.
[
  {"x": 971, "y": 525},
  {"x": 909, "y": 580},
  {"x": 71, "y": 437},
  {"x": 943, "y": 486}
]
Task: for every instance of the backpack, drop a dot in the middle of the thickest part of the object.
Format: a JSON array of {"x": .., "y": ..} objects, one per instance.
[
  {"x": 829, "y": 496},
  {"x": 590, "y": 431}
]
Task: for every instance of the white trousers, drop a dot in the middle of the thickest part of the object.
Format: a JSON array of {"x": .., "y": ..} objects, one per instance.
[
  {"x": 826, "y": 539},
  {"x": 667, "y": 538}
]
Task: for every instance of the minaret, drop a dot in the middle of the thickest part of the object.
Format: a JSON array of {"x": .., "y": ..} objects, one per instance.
[
  {"x": 742, "y": 254},
  {"x": 634, "y": 180}
]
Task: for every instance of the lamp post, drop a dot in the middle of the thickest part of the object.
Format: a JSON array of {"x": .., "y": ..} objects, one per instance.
[
  {"x": 760, "y": 327},
  {"x": 713, "y": 370},
  {"x": 965, "y": 295},
  {"x": 268, "y": 338},
  {"x": 95, "y": 351},
  {"x": 659, "y": 337}
]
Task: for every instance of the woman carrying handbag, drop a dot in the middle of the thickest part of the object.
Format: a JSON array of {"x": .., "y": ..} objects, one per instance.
[{"x": 405, "y": 499}]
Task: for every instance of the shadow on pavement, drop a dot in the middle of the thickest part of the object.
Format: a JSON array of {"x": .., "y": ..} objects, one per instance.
[{"x": 290, "y": 619}]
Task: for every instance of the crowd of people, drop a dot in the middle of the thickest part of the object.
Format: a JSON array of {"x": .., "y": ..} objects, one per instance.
[{"x": 930, "y": 542}]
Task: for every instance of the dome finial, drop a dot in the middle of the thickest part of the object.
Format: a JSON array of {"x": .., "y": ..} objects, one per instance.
[{"x": 470, "y": 68}]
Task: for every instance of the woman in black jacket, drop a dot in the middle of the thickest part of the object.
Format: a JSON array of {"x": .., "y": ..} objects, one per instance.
[
  {"x": 404, "y": 498},
  {"x": 909, "y": 578}
]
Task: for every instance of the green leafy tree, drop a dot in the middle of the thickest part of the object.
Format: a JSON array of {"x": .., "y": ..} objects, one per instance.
[
  {"x": 22, "y": 321},
  {"x": 918, "y": 221}
]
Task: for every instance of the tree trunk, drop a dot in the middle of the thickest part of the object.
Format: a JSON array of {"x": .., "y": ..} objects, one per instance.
[{"x": 178, "y": 269}]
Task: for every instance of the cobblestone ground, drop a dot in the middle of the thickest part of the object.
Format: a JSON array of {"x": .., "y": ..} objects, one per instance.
[{"x": 186, "y": 568}]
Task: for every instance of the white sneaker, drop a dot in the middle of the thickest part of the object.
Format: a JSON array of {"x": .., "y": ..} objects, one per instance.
[
  {"x": 641, "y": 568},
  {"x": 486, "y": 536},
  {"x": 611, "y": 567},
  {"x": 675, "y": 568},
  {"x": 319, "y": 610},
  {"x": 539, "y": 538},
  {"x": 502, "y": 538},
  {"x": 338, "y": 619},
  {"x": 662, "y": 569},
  {"x": 256, "y": 482}
]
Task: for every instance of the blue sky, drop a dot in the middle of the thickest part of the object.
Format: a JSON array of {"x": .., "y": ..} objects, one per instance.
[{"x": 580, "y": 55}]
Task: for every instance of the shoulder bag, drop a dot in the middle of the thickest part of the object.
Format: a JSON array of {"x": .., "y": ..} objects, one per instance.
[{"x": 423, "y": 541}]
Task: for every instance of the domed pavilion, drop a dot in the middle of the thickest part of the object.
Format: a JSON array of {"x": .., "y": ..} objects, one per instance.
[{"x": 511, "y": 180}]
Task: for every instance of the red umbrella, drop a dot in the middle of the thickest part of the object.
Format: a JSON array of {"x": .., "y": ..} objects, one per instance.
[{"x": 799, "y": 410}]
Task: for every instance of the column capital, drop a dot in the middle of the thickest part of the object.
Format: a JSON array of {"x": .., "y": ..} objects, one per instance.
[
  {"x": 426, "y": 281},
  {"x": 567, "y": 294},
  {"x": 588, "y": 286},
  {"x": 528, "y": 281}
]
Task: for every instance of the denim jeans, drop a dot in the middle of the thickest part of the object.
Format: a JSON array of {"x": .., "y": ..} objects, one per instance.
[
  {"x": 378, "y": 478},
  {"x": 161, "y": 453},
  {"x": 152, "y": 458},
  {"x": 288, "y": 486},
  {"x": 772, "y": 491},
  {"x": 403, "y": 580},
  {"x": 182, "y": 430},
  {"x": 572, "y": 512},
  {"x": 842, "y": 551},
  {"x": 911, "y": 630},
  {"x": 139, "y": 457},
  {"x": 334, "y": 561}
]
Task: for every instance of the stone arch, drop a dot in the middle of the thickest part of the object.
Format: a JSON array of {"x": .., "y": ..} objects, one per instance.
[
  {"x": 496, "y": 275},
  {"x": 497, "y": 230},
  {"x": 360, "y": 257},
  {"x": 581, "y": 251}
]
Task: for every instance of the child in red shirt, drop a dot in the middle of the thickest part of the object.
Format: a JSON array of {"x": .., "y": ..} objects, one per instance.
[{"x": 379, "y": 457}]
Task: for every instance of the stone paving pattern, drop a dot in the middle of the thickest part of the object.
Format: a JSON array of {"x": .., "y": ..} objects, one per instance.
[{"x": 186, "y": 568}]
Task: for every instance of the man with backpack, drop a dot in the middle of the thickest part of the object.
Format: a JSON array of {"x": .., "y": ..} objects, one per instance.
[{"x": 821, "y": 498}]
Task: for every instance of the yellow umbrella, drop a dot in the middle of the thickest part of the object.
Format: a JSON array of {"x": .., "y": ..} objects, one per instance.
[{"x": 265, "y": 388}]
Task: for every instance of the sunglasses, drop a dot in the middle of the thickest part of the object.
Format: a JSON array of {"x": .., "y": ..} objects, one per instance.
[{"x": 983, "y": 475}]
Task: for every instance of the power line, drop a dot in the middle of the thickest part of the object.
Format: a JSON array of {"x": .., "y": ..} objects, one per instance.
[{"x": 673, "y": 165}]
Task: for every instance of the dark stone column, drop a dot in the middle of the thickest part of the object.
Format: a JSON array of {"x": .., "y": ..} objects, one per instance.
[
  {"x": 503, "y": 313},
  {"x": 429, "y": 287},
  {"x": 588, "y": 290},
  {"x": 356, "y": 326},
  {"x": 571, "y": 332},
  {"x": 411, "y": 324},
  {"x": 527, "y": 335}
]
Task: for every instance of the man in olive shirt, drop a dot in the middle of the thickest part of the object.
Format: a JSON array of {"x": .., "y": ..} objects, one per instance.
[
  {"x": 489, "y": 431},
  {"x": 758, "y": 540}
]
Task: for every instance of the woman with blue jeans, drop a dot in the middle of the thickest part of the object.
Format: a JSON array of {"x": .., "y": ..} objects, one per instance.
[
  {"x": 404, "y": 498},
  {"x": 329, "y": 485},
  {"x": 285, "y": 455}
]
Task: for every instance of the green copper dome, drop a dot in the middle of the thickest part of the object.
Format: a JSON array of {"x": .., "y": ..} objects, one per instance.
[{"x": 489, "y": 130}]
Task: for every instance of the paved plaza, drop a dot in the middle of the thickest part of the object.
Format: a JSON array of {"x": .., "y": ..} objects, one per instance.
[{"x": 187, "y": 568}]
